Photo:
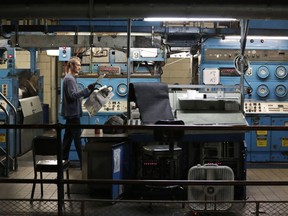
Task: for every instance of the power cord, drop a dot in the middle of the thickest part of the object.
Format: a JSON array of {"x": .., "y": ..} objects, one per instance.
[{"x": 238, "y": 60}]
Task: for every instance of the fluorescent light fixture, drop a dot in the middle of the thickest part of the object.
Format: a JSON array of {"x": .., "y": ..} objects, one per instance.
[
  {"x": 182, "y": 19},
  {"x": 53, "y": 52}
]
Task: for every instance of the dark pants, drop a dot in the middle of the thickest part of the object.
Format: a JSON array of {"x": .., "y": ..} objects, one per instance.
[{"x": 70, "y": 135}]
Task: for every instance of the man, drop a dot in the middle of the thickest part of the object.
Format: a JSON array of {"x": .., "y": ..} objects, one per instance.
[{"x": 72, "y": 106}]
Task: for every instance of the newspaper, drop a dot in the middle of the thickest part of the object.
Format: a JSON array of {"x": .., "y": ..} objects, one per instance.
[{"x": 97, "y": 99}]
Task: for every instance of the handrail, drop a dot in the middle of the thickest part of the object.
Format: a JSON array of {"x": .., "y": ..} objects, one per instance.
[
  {"x": 7, "y": 141},
  {"x": 208, "y": 128},
  {"x": 15, "y": 121}
]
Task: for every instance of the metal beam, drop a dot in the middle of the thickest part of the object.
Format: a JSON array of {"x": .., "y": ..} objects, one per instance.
[
  {"x": 56, "y": 41},
  {"x": 53, "y": 9}
]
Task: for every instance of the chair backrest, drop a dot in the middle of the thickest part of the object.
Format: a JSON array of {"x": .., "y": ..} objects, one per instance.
[
  {"x": 169, "y": 135},
  {"x": 152, "y": 99},
  {"x": 44, "y": 145}
]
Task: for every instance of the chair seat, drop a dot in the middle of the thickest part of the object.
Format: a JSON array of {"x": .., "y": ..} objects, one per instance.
[
  {"x": 161, "y": 150},
  {"x": 45, "y": 150},
  {"x": 50, "y": 165}
]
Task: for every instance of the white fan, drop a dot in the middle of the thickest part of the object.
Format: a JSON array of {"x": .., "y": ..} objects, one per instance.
[{"x": 210, "y": 192}]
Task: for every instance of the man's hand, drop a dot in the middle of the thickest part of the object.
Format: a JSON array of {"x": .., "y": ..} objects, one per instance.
[{"x": 91, "y": 87}]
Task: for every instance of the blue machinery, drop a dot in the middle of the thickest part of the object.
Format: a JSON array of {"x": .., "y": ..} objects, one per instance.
[
  {"x": 213, "y": 148},
  {"x": 265, "y": 83},
  {"x": 265, "y": 86},
  {"x": 18, "y": 99},
  {"x": 9, "y": 100},
  {"x": 265, "y": 89}
]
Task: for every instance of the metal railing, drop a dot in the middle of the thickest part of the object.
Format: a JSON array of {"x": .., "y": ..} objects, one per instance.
[{"x": 140, "y": 205}]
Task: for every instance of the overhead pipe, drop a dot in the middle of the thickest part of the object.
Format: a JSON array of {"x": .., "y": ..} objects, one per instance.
[{"x": 90, "y": 9}]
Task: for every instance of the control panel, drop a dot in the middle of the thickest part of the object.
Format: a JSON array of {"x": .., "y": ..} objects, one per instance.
[
  {"x": 8, "y": 87},
  {"x": 64, "y": 53},
  {"x": 251, "y": 54},
  {"x": 115, "y": 106},
  {"x": 259, "y": 107},
  {"x": 112, "y": 106},
  {"x": 4, "y": 88}
]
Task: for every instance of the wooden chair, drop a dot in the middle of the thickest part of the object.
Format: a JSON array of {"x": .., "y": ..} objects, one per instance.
[{"x": 44, "y": 150}]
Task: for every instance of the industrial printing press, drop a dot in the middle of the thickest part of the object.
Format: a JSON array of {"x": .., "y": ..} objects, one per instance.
[
  {"x": 266, "y": 86},
  {"x": 160, "y": 154},
  {"x": 21, "y": 103}
]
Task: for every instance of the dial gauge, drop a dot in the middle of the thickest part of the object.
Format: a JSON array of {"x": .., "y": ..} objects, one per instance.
[
  {"x": 263, "y": 72},
  {"x": 281, "y": 72},
  {"x": 263, "y": 90},
  {"x": 122, "y": 89},
  {"x": 281, "y": 90}
]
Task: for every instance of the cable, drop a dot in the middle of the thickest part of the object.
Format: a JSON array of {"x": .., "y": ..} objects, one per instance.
[
  {"x": 244, "y": 36},
  {"x": 238, "y": 60}
]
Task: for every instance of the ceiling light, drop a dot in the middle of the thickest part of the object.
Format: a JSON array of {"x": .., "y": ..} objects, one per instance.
[
  {"x": 53, "y": 52},
  {"x": 181, "y": 19}
]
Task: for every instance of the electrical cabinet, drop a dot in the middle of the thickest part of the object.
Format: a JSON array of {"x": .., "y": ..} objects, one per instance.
[
  {"x": 265, "y": 87},
  {"x": 267, "y": 146}
]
